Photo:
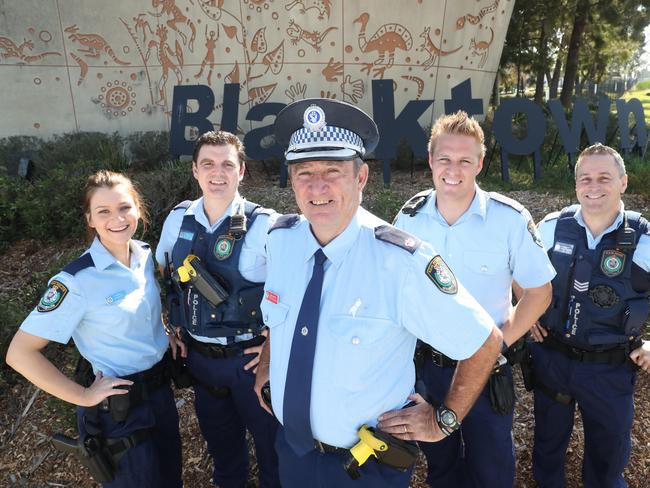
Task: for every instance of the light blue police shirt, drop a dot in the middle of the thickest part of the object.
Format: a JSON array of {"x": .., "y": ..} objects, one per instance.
[
  {"x": 252, "y": 260},
  {"x": 487, "y": 247},
  {"x": 641, "y": 254},
  {"x": 112, "y": 312},
  {"x": 376, "y": 301}
]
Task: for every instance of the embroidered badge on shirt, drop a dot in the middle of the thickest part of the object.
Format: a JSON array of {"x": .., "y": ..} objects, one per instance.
[
  {"x": 532, "y": 228},
  {"x": 612, "y": 263},
  {"x": 438, "y": 272},
  {"x": 53, "y": 297},
  {"x": 223, "y": 247}
]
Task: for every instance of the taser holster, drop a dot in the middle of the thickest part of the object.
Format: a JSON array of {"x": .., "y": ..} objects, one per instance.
[
  {"x": 388, "y": 450},
  {"x": 193, "y": 272},
  {"x": 91, "y": 453}
]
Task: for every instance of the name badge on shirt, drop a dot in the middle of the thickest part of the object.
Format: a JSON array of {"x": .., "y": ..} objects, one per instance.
[
  {"x": 186, "y": 235},
  {"x": 563, "y": 247},
  {"x": 115, "y": 297}
]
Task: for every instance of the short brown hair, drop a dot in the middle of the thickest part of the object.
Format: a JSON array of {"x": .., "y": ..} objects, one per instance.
[
  {"x": 599, "y": 149},
  {"x": 109, "y": 179},
  {"x": 458, "y": 123},
  {"x": 219, "y": 138}
]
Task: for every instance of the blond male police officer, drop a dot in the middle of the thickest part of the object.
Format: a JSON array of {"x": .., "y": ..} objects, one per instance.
[
  {"x": 591, "y": 333},
  {"x": 346, "y": 297},
  {"x": 489, "y": 240}
]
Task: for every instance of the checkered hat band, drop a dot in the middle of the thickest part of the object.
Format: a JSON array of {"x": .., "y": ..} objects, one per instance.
[{"x": 328, "y": 137}]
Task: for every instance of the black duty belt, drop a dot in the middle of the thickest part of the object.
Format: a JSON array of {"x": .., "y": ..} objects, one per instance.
[
  {"x": 144, "y": 383},
  {"x": 327, "y": 449},
  {"x": 438, "y": 358},
  {"x": 219, "y": 351},
  {"x": 617, "y": 355}
]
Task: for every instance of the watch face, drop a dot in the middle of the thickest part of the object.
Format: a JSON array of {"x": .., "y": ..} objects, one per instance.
[{"x": 448, "y": 418}]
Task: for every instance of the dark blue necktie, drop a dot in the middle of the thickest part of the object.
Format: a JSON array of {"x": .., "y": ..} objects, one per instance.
[{"x": 297, "y": 389}]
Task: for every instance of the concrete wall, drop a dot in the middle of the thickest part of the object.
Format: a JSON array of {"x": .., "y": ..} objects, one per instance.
[{"x": 69, "y": 65}]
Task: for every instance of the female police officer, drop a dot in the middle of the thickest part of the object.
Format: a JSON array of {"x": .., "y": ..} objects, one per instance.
[{"x": 108, "y": 301}]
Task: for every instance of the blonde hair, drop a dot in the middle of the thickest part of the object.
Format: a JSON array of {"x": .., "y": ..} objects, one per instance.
[
  {"x": 109, "y": 179},
  {"x": 458, "y": 123}
]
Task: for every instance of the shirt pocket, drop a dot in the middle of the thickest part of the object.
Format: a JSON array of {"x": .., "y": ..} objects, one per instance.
[
  {"x": 275, "y": 316},
  {"x": 358, "y": 343},
  {"x": 485, "y": 263}
]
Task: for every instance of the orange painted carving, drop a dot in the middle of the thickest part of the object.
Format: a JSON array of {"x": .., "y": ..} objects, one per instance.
[
  {"x": 9, "y": 49},
  {"x": 314, "y": 39},
  {"x": 432, "y": 50},
  {"x": 387, "y": 39},
  {"x": 324, "y": 7}
]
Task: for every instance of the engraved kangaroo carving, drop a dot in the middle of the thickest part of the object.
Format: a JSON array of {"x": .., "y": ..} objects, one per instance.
[
  {"x": 93, "y": 45},
  {"x": 481, "y": 48},
  {"x": 432, "y": 50}
]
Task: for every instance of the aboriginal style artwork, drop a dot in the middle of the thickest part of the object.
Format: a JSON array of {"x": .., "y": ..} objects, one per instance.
[{"x": 107, "y": 66}]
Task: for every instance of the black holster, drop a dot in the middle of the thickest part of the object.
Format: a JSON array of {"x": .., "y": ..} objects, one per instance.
[
  {"x": 502, "y": 392},
  {"x": 179, "y": 371},
  {"x": 91, "y": 453}
]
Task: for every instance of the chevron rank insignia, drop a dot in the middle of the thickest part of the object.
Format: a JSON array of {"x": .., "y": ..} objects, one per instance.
[
  {"x": 438, "y": 272},
  {"x": 612, "y": 262},
  {"x": 53, "y": 297}
]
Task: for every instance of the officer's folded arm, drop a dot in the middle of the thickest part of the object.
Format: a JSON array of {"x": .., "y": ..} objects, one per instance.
[{"x": 25, "y": 356}]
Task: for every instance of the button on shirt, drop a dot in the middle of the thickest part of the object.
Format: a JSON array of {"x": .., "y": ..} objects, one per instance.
[
  {"x": 112, "y": 312},
  {"x": 641, "y": 254},
  {"x": 376, "y": 301},
  {"x": 252, "y": 260},
  {"x": 487, "y": 247}
]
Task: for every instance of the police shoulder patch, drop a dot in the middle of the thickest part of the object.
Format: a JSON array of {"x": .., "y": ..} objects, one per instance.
[
  {"x": 397, "y": 237},
  {"x": 534, "y": 232},
  {"x": 53, "y": 297},
  {"x": 285, "y": 222},
  {"x": 438, "y": 272}
]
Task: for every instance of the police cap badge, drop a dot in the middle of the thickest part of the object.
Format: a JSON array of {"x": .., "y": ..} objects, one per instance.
[{"x": 321, "y": 129}]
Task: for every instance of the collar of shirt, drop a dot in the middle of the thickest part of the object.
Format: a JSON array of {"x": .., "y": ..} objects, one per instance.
[
  {"x": 197, "y": 209},
  {"x": 477, "y": 207},
  {"x": 103, "y": 258},
  {"x": 592, "y": 241},
  {"x": 338, "y": 248}
]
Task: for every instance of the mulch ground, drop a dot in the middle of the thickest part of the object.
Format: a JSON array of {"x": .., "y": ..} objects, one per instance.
[{"x": 28, "y": 417}]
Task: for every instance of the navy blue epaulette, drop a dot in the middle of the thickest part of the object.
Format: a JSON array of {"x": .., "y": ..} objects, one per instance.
[
  {"x": 568, "y": 212},
  {"x": 82, "y": 262},
  {"x": 285, "y": 222},
  {"x": 497, "y": 197},
  {"x": 416, "y": 202},
  {"x": 397, "y": 237},
  {"x": 185, "y": 204}
]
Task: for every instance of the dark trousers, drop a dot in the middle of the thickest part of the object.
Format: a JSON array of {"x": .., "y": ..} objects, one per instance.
[
  {"x": 316, "y": 470},
  {"x": 481, "y": 453},
  {"x": 224, "y": 420},
  {"x": 605, "y": 396},
  {"x": 154, "y": 462}
]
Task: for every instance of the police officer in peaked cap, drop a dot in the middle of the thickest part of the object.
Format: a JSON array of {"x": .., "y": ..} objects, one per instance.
[
  {"x": 589, "y": 340},
  {"x": 346, "y": 297}
]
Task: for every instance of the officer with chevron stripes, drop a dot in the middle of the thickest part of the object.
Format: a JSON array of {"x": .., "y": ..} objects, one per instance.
[{"x": 590, "y": 337}]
